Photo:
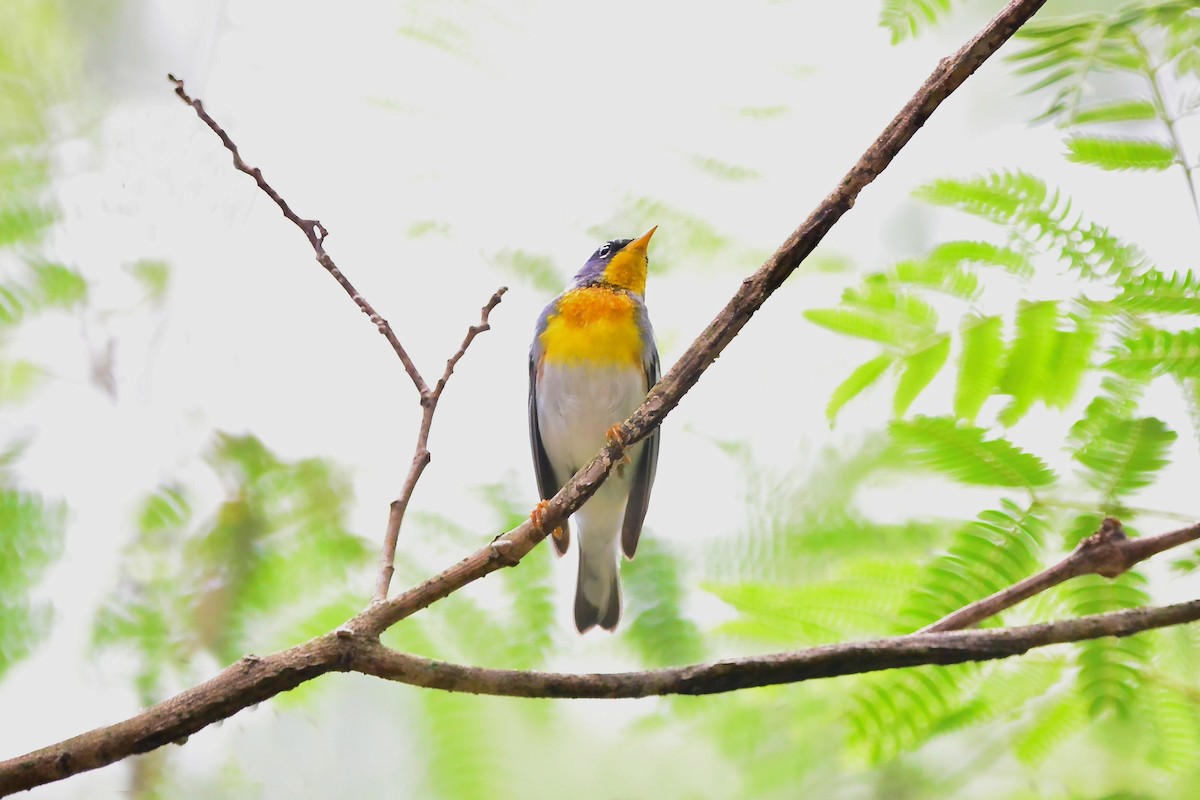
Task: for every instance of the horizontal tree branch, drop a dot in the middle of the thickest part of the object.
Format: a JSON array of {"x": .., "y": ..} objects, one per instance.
[
  {"x": 947, "y": 647},
  {"x": 255, "y": 679}
]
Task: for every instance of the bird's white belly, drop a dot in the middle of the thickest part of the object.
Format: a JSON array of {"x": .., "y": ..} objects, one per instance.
[{"x": 578, "y": 404}]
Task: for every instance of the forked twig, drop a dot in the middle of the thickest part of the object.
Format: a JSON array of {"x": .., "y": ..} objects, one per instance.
[
  {"x": 316, "y": 233},
  {"x": 1108, "y": 552}
]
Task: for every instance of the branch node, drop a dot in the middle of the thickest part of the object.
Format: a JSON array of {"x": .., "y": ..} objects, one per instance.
[
  {"x": 1103, "y": 549},
  {"x": 500, "y": 552}
]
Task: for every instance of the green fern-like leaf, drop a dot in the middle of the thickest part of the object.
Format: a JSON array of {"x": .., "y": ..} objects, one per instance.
[
  {"x": 998, "y": 549},
  {"x": 24, "y": 224},
  {"x": 723, "y": 170},
  {"x": 982, "y": 253},
  {"x": 1120, "y": 154},
  {"x": 877, "y": 312},
  {"x": 166, "y": 509},
  {"x": 1182, "y": 46},
  {"x": 536, "y": 270},
  {"x": 920, "y": 368},
  {"x": 1027, "y": 367},
  {"x": 1152, "y": 352},
  {"x": 962, "y": 453},
  {"x": 31, "y": 540},
  {"x": 859, "y": 597},
  {"x": 1071, "y": 359},
  {"x": 980, "y": 364},
  {"x": 683, "y": 232},
  {"x": 892, "y": 713},
  {"x": 18, "y": 378},
  {"x": 530, "y": 636},
  {"x": 1174, "y": 725},
  {"x": 906, "y": 18},
  {"x": 262, "y": 563},
  {"x": 456, "y": 730},
  {"x": 1005, "y": 690},
  {"x": 1117, "y": 400},
  {"x": 1053, "y": 723},
  {"x": 1111, "y": 671},
  {"x": 1047, "y": 359},
  {"x": 1125, "y": 454},
  {"x": 1021, "y": 201},
  {"x": 1122, "y": 110},
  {"x": 1159, "y": 293},
  {"x": 858, "y": 381},
  {"x": 1116, "y": 111},
  {"x": 660, "y": 632},
  {"x": 939, "y": 275},
  {"x": 1063, "y": 53}
]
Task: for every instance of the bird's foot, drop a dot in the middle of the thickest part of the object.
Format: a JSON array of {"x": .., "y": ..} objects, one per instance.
[
  {"x": 615, "y": 436},
  {"x": 538, "y": 515}
]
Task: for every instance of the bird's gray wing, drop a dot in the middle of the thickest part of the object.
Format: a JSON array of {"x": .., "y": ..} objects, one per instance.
[
  {"x": 647, "y": 463},
  {"x": 548, "y": 484}
]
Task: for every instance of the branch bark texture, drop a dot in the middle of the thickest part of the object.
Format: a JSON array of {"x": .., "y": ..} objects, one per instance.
[{"x": 255, "y": 679}]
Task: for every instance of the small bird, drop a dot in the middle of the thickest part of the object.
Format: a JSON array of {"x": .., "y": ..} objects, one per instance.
[{"x": 592, "y": 361}]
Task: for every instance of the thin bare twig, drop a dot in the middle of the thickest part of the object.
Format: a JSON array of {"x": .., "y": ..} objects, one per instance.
[
  {"x": 315, "y": 232},
  {"x": 1108, "y": 552},
  {"x": 429, "y": 401}
]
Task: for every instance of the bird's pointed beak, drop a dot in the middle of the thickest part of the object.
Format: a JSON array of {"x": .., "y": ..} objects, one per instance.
[{"x": 643, "y": 241}]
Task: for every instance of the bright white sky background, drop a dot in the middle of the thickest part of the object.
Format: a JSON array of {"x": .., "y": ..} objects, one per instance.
[{"x": 555, "y": 119}]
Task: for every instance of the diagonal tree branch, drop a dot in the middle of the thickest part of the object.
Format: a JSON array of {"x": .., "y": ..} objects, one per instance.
[
  {"x": 313, "y": 230},
  {"x": 1108, "y": 552},
  {"x": 510, "y": 548},
  {"x": 254, "y": 679}
]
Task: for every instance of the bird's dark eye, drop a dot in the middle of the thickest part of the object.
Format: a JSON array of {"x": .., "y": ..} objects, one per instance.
[{"x": 603, "y": 251}]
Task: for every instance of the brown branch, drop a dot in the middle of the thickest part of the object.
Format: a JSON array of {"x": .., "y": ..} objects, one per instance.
[
  {"x": 828, "y": 661},
  {"x": 255, "y": 679},
  {"x": 315, "y": 232},
  {"x": 429, "y": 401},
  {"x": 1108, "y": 552}
]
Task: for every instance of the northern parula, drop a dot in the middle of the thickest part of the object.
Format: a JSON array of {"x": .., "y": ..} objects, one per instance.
[{"x": 592, "y": 361}]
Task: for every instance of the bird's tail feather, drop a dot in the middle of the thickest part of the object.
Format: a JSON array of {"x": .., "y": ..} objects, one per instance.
[{"x": 597, "y": 593}]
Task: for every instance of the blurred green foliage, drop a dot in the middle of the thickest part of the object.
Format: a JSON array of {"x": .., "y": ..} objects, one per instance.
[
  {"x": 252, "y": 576},
  {"x": 36, "y": 71},
  {"x": 1125, "y": 706},
  {"x": 30, "y": 539}
]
